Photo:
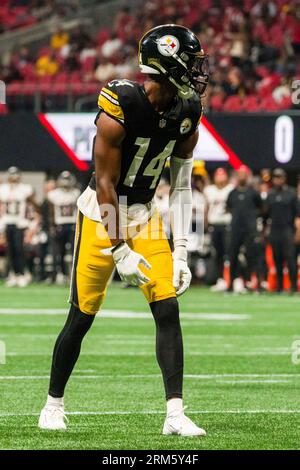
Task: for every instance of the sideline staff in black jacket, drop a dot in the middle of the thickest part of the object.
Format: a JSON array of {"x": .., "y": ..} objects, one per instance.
[
  {"x": 244, "y": 203},
  {"x": 283, "y": 210}
]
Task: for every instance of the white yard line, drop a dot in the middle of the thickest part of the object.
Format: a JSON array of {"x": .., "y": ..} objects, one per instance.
[
  {"x": 152, "y": 354},
  {"x": 263, "y": 378},
  {"x": 158, "y": 412},
  {"x": 126, "y": 314},
  {"x": 254, "y": 381}
]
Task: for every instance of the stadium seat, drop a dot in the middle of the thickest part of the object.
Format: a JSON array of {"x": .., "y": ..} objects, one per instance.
[
  {"x": 59, "y": 88},
  {"x": 216, "y": 103},
  {"x": 61, "y": 77},
  {"x": 3, "y": 109},
  {"x": 251, "y": 104},
  {"x": 29, "y": 88},
  {"x": 233, "y": 104},
  {"x": 28, "y": 71},
  {"x": 285, "y": 103},
  {"x": 269, "y": 104},
  {"x": 15, "y": 88}
]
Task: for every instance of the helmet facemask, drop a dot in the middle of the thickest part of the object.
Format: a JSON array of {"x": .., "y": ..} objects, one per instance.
[
  {"x": 195, "y": 76},
  {"x": 200, "y": 73}
]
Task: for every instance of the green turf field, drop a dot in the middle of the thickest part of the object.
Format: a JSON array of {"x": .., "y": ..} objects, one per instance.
[{"x": 241, "y": 384}]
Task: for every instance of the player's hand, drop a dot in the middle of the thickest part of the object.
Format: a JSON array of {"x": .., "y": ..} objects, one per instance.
[
  {"x": 127, "y": 263},
  {"x": 181, "y": 272}
]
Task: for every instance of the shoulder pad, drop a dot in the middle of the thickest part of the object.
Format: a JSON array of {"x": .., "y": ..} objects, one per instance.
[{"x": 114, "y": 97}]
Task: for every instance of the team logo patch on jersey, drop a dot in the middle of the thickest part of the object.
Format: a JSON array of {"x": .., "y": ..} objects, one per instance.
[
  {"x": 162, "y": 123},
  {"x": 185, "y": 126},
  {"x": 168, "y": 45}
]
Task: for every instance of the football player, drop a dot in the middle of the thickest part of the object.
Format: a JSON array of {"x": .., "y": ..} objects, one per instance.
[
  {"x": 63, "y": 211},
  {"x": 138, "y": 128},
  {"x": 14, "y": 197}
]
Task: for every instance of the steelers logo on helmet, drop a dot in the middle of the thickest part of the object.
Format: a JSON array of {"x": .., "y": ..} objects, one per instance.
[
  {"x": 168, "y": 45},
  {"x": 185, "y": 126}
]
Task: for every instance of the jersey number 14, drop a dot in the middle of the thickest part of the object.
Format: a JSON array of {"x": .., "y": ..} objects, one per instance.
[{"x": 154, "y": 168}]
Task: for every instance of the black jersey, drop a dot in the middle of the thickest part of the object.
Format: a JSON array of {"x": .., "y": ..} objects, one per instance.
[
  {"x": 244, "y": 205},
  {"x": 151, "y": 137},
  {"x": 283, "y": 208}
]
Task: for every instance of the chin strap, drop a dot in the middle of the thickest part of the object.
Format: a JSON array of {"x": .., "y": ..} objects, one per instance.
[
  {"x": 184, "y": 91},
  {"x": 186, "y": 95}
]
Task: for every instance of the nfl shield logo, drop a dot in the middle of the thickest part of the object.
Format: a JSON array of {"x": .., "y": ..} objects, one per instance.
[{"x": 162, "y": 123}]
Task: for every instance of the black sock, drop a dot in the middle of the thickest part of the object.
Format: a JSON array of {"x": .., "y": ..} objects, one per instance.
[
  {"x": 67, "y": 349},
  {"x": 169, "y": 346}
]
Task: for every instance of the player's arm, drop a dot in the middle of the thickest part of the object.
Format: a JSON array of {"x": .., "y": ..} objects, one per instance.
[
  {"x": 107, "y": 156},
  {"x": 181, "y": 202}
]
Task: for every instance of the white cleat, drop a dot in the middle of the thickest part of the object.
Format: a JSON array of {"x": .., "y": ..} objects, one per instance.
[
  {"x": 52, "y": 417},
  {"x": 22, "y": 281},
  {"x": 220, "y": 286},
  {"x": 11, "y": 281},
  {"x": 179, "y": 424},
  {"x": 238, "y": 286}
]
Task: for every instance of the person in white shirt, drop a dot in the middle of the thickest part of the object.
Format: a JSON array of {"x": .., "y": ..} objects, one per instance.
[
  {"x": 63, "y": 200},
  {"x": 14, "y": 197},
  {"x": 218, "y": 221}
]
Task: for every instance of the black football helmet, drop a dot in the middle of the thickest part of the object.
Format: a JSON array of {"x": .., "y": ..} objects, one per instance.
[{"x": 175, "y": 52}]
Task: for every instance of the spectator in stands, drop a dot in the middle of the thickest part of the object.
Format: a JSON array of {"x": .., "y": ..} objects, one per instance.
[
  {"x": 253, "y": 47},
  {"x": 47, "y": 64},
  {"x": 59, "y": 39},
  {"x": 111, "y": 46},
  {"x": 234, "y": 84},
  {"x": 123, "y": 19},
  {"x": 105, "y": 71},
  {"x": 79, "y": 38},
  {"x": 72, "y": 63},
  {"x": 294, "y": 28},
  {"x": 24, "y": 57},
  {"x": 218, "y": 219}
]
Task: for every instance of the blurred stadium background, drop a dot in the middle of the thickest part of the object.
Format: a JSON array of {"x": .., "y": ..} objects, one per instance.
[{"x": 54, "y": 56}]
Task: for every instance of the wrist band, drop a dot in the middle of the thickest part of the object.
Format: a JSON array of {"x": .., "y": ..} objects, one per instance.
[{"x": 117, "y": 246}]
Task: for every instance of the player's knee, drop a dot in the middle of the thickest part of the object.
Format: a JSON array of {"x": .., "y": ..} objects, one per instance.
[
  {"x": 78, "y": 323},
  {"x": 165, "y": 312}
]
